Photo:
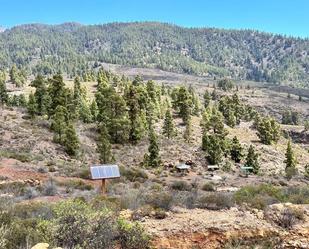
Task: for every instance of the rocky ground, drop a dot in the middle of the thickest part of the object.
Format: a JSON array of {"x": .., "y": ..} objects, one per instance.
[{"x": 199, "y": 228}]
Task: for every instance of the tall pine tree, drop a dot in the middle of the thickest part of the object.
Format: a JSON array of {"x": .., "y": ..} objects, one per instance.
[
  {"x": 236, "y": 150},
  {"x": 71, "y": 141},
  {"x": 168, "y": 126},
  {"x": 252, "y": 160},
  {"x": 290, "y": 161}
]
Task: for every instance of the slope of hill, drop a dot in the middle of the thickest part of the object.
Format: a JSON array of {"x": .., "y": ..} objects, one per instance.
[{"x": 71, "y": 47}]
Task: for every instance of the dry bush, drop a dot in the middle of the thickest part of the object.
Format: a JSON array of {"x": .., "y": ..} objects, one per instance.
[
  {"x": 215, "y": 201},
  {"x": 289, "y": 217},
  {"x": 181, "y": 186}
]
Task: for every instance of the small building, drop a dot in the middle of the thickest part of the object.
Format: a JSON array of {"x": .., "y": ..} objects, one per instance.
[
  {"x": 212, "y": 167},
  {"x": 104, "y": 172},
  {"x": 183, "y": 168},
  {"x": 246, "y": 170}
]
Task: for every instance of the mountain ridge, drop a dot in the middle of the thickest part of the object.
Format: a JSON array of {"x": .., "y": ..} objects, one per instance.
[{"x": 239, "y": 54}]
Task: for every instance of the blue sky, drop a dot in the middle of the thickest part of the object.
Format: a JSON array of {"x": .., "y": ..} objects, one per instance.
[{"x": 289, "y": 17}]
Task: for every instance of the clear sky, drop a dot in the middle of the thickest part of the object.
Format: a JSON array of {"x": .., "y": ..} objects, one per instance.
[{"x": 289, "y": 17}]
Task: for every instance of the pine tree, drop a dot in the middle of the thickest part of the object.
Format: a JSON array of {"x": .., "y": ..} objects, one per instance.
[
  {"x": 71, "y": 141},
  {"x": 207, "y": 98},
  {"x": 153, "y": 150},
  {"x": 290, "y": 161},
  {"x": 113, "y": 112},
  {"x": 79, "y": 103},
  {"x": 252, "y": 160},
  {"x": 57, "y": 93},
  {"x": 103, "y": 145},
  {"x": 136, "y": 125},
  {"x": 188, "y": 131},
  {"x": 85, "y": 112},
  {"x": 77, "y": 89},
  {"x": 213, "y": 146},
  {"x": 41, "y": 95},
  {"x": 32, "y": 105},
  {"x": 94, "y": 110},
  {"x": 205, "y": 122},
  {"x": 216, "y": 123},
  {"x": 184, "y": 103},
  {"x": 231, "y": 119},
  {"x": 3, "y": 92},
  {"x": 268, "y": 131},
  {"x": 59, "y": 123},
  {"x": 168, "y": 126},
  {"x": 214, "y": 95},
  {"x": 236, "y": 150}
]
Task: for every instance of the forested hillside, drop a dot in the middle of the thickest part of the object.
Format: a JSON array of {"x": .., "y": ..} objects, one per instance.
[{"x": 74, "y": 48}]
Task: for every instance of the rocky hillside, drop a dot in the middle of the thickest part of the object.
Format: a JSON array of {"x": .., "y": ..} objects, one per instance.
[{"x": 212, "y": 52}]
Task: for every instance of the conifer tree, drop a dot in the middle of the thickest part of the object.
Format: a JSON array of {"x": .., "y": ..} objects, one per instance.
[
  {"x": 236, "y": 150},
  {"x": 59, "y": 123},
  {"x": 3, "y": 92},
  {"x": 77, "y": 89},
  {"x": 57, "y": 93},
  {"x": 213, "y": 147},
  {"x": 94, "y": 110},
  {"x": 184, "y": 103},
  {"x": 205, "y": 122},
  {"x": 231, "y": 119},
  {"x": 188, "y": 131},
  {"x": 214, "y": 95},
  {"x": 41, "y": 95},
  {"x": 268, "y": 131},
  {"x": 217, "y": 124},
  {"x": 153, "y": 158},
  {"x": 290, "y": 161},
  {"x": 22, "y": 100},
  {"x": 32, "y": 105},
  {"x": 71, "y": 141},
  {"x": 85, "y": 112},
  {"x": 103, "y": 145},
  {"x": 207, "y": 98},
  {"x": 113, "y": 112},
  {"x": 136, "y": 125},
  {"x": 168, "y": 126},
  {"x": 252, "y": 160}
]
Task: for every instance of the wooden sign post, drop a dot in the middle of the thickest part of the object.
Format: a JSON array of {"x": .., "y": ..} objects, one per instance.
[{"x": 103, "y": 187}]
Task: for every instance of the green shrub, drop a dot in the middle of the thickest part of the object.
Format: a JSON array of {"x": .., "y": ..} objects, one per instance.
[
  {"x": 76, "y": 184},
  {"x": 132, "y": 236},
  {"x": 162, "y": 199},
  {"x": 16, "y": 188},
  {"x": 209, "y": 186},
  {"x": 259, "y": 196},
  {"x": 134, "y": 174},
  {"x": 215, "y": 201},
  {"x": 24, "y": 157},
  {"x": 180, "y": 186}
]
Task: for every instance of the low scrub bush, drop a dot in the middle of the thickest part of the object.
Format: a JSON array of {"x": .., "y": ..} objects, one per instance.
[
  {"x": 134, "y": 174},
  {"x": 16, "y": 188},
  {"x": 209, "y": 186},
  {"x": 215, "y": 201},
  {"x": 132, "y": 236},
  {"x": 258, "y": 196},
  {"x": 24, "y": 157},
  {"x": 180, "y": 186},
  {"x": 263, "y": 195},
  {"x": 162, "y": 199},
  {"x": 76, "y": 184}
]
